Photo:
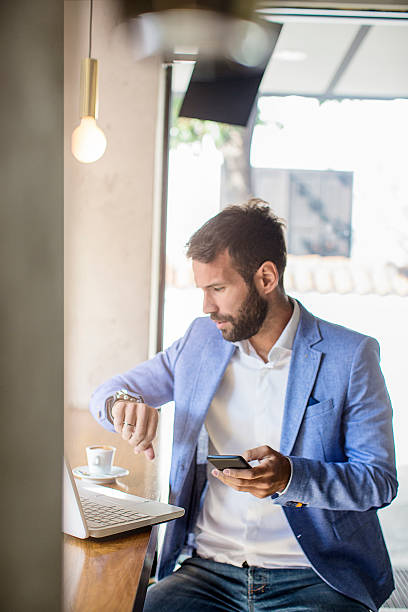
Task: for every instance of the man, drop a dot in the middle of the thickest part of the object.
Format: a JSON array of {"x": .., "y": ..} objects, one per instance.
[{"x": 303, "y": 399}]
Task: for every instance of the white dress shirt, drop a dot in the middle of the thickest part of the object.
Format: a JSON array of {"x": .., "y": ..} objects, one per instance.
[{"x": 247, "y": 412}]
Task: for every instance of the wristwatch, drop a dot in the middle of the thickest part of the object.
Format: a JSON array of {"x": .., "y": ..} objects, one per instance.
[{"x": 121, "y": 396}]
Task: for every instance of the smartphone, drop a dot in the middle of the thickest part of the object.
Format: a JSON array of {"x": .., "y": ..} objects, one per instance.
[{"x": 235, "y": 462}]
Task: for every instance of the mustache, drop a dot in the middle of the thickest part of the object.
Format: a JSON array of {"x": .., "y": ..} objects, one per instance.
[{"x": 221, "y": 317}]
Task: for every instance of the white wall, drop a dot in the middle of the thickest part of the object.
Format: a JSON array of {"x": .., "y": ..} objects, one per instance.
[{"x": 108, "y": 205}]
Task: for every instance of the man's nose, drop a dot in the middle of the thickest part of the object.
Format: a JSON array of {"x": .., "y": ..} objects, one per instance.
[{"x": 208, "y": 305}]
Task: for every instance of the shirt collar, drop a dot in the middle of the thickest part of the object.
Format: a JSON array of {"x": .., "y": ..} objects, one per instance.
[
  {"x": 283, "y": 345},
  {"x": 287, "y": 337}
]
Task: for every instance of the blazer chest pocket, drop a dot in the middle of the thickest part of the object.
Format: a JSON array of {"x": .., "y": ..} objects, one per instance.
[
  {"x": 318, "y": 409},
  {"x": 320, "y": 435}
]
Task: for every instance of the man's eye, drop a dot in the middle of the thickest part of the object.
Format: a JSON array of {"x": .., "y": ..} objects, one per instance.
[{"x": 218, "y": 288}]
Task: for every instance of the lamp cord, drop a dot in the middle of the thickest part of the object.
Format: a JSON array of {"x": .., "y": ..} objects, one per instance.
[{"x": 90, "y": 27}]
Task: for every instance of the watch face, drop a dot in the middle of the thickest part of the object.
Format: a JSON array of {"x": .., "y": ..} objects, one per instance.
[{"x": 124, "y": 395}]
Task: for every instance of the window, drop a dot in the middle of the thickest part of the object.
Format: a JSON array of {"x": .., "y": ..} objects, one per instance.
[{"x": 327, "y": 149}]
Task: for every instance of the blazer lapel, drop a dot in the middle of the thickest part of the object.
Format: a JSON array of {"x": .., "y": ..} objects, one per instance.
[
  {"x": 215, "y": 357},
  {"x": 302, "y": 375}
]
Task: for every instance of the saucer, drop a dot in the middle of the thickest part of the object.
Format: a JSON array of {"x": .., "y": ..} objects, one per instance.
[{"x": 83, "y": 472}]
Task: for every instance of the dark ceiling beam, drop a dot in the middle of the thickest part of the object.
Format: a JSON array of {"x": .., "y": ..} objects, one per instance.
[
  {"x": 348, "y": 57},
  {"x": 243, "y": 9}
]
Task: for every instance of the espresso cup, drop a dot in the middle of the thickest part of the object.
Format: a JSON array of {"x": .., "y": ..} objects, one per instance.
[{"x": 100, "y": 459}]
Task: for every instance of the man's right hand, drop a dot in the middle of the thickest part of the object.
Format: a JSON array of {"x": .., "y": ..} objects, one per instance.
[{"x": 138, "y": 424}]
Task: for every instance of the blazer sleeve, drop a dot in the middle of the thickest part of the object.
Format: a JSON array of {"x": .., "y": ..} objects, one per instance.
[
  {"x": 367, "y": 479},
  {"x": 153, "y": 379}
]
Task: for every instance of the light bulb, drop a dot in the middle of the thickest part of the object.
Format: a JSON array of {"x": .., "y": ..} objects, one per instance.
[{"x": 88, "y": 141}]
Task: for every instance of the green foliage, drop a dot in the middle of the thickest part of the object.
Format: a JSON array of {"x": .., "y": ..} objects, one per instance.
[{"x": 186, "y": 131}]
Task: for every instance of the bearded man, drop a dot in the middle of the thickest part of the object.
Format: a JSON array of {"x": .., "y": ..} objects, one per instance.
[{"x": 301, "y": 398}]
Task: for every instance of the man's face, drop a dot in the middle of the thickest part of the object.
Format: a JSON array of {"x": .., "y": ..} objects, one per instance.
[{"x": 238, "y": 310}]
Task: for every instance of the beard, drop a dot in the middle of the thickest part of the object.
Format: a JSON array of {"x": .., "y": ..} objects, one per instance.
[{"x": 249, "y": 320}]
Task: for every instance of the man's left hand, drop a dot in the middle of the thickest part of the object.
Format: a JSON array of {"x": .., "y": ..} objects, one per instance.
[{"x": 270, "y": 476}]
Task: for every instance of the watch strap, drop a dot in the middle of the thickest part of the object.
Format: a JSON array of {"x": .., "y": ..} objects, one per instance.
[{"x": 123, "y": 395}]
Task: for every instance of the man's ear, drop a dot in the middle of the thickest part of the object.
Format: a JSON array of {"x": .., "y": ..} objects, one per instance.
[{"x": 266, "y": 278}]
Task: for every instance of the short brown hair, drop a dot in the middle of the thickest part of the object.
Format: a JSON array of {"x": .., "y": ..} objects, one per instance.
[{"x": 251, "y": 233}]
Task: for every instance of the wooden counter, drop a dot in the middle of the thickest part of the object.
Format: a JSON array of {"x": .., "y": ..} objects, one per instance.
[{"x": 108, "y": 573}]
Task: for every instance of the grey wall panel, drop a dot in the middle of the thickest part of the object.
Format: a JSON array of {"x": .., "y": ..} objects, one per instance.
[{"x": 31, "y": 311}]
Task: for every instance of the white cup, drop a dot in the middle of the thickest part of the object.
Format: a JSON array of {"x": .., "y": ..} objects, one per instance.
[{"x": 100, "y": 459}]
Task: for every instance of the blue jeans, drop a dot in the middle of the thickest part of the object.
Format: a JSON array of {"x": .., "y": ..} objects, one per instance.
[{"x": 201, "y": 585}]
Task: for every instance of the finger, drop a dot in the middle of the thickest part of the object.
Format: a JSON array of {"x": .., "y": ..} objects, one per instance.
[
  {"x": 130, "y": 420},
  {"x": 232, "y": 482},
  {"x": 250, "y": 474},
  {"x": 118, "y": 413},
  {"x": 150, "y": 433},
  {"x": 240, "y": 483},
  {"x": 240, "y": 473},
  {"x": 139, "y": 432},
  {"x": 258, "y": 453},
  {"x": 236, "y": 484},
  {"x": 149, "y": 453},
  {"x": 271, "y": 475},
  {"x": 151, "y": 429}
]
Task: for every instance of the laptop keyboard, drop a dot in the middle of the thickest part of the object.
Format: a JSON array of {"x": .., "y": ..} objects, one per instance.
[{"x": 100, "y": 515}]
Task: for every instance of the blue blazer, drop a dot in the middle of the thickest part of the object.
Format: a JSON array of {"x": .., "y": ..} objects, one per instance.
[{"x": 337, "y": 430}]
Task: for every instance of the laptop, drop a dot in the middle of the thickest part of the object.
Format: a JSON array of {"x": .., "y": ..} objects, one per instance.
[{"x": 91, "y": 510}]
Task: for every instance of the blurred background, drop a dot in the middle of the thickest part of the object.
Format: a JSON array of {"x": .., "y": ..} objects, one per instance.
[{"x": 304, "y": 106}]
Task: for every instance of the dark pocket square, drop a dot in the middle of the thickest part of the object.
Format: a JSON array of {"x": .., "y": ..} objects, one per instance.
[{"x": 312, "y": 401}]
